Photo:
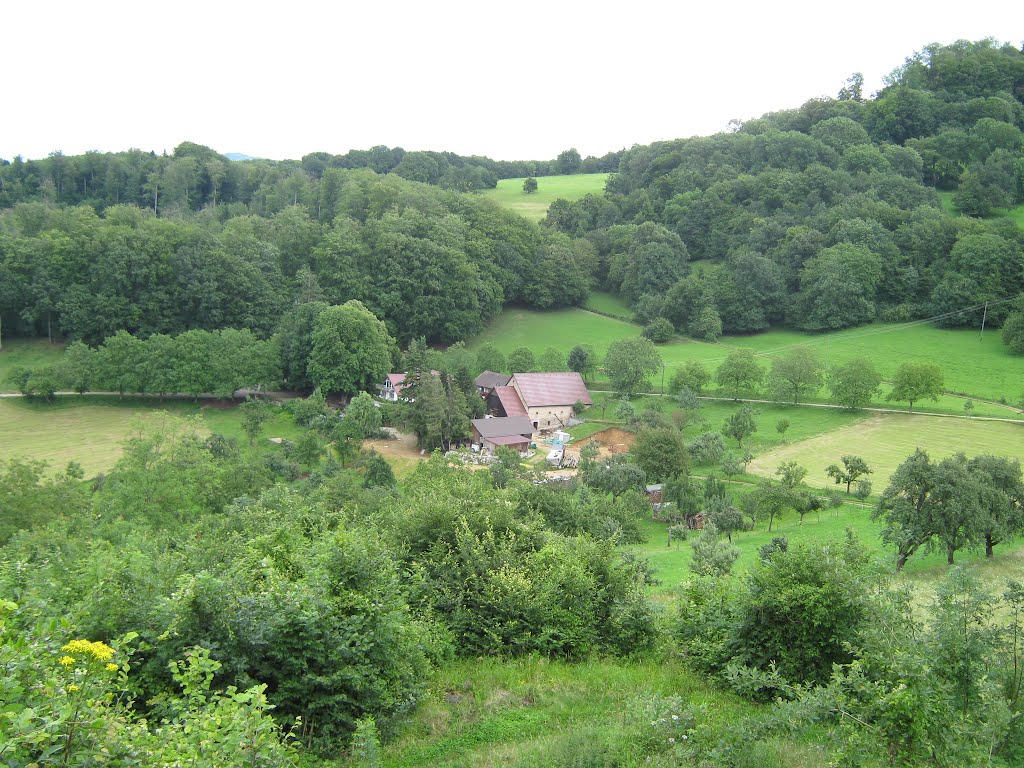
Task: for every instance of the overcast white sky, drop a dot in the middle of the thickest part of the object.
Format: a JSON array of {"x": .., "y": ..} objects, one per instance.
[{"x": 512, "y": 80}]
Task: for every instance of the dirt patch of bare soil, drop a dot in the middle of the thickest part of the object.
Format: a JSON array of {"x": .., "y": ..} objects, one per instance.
[
  {"x": 403, "y": 447},
  {"x": 608, "y": 441}
]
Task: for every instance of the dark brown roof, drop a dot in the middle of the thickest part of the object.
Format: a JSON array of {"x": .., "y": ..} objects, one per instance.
[
  {"x": 490, "y": 380},
  {"x": 510, "y": 402},
  {"x": 511, "y": 425},
  {"x": 508, "y": 439},
  {"x": 540, "y": 389}
]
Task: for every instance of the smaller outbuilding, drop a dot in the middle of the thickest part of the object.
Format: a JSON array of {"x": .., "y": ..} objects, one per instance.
[
  {"x": 488, "y": 381},
  {"x": 513, "y": 432}
]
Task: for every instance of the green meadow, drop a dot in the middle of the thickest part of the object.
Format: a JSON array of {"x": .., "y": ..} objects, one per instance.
[
  {"x": 885, "y": 440},
  {"x": 974, "y": 365},
  {"x": 509, "y": 192},
  {"x": 92, "y": 430}
]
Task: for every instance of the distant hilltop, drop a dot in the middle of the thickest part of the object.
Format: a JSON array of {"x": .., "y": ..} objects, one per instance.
[{"x": 239, "y": 156}]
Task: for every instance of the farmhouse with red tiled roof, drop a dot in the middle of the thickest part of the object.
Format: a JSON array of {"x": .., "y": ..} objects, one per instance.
[{"x": 548, "y": 398}]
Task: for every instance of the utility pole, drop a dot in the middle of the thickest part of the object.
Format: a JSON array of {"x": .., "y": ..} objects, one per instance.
[{"x": 984, "y": 317}]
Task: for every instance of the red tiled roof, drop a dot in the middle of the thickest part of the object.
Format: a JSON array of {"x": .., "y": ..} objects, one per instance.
[
  {"x": 510, "y": 402},
  {"x": 541, "y": 389}
]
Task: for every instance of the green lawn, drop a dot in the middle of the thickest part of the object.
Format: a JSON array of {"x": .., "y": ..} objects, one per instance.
[
  {"x": 92, "y": 430},
  {"x": 509, "y": 192},
  {"x": 28, "y": 353}
]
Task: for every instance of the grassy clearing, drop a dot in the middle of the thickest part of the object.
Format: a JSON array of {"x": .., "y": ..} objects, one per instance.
[
  {"x": 886, "y": 440},
  {"x": 1015, "y": 214},
  {"x": 534, "y": 712},
  {"x": 561, "y": 328},
  {"x": 28, "y": 353},
  {"x": 608, "y": 304},
  {"x": 92, "y": 430},
  {"x": 509, "y": 192}
]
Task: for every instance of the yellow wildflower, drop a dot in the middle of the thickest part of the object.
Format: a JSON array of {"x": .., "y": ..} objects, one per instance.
[
  {"x": 67, "y": 661},
  {"x": 99, "y": 651},
  {"x": 112, "y": 667},
  {"x": 72, "y": 688}
]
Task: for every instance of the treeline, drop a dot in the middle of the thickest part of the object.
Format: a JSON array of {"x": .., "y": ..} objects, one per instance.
[
  {"x": 193, "y": 177},
  {"x": 426, "y": 261},
  {"x": 822, "y": 217},
  {"x": 191, "y": 363}
]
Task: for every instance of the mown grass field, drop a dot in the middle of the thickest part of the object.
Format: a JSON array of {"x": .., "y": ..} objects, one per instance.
[
  {"x": 981, "y": 367},
  {"x": 27, "y": 353},
  {"x": 885, "y": 440},
  {"x": 92, "y": 430},
  {"x": 509, "y": 192}
]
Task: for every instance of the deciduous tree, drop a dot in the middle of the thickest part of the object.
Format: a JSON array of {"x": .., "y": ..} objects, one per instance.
[{"x": 915, "y": 381}]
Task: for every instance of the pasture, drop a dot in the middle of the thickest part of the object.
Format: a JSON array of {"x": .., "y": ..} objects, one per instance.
[
  {"x": 509, "y": 192},
  {"x": 885, "y": 440},
  {"x": 978, "y": 367},
  {"x": 92, "y": 430}
]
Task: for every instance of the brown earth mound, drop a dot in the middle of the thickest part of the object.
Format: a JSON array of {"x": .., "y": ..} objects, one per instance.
[{"x": 609, "y": 442}]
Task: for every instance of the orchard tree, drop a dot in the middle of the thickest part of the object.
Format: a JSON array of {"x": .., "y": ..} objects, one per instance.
[
  {"x": 1001, "y": 500},
  {"x": 583, "y": 360},
  {"x": 854, "y": 384},
  {"x": 364, "y": 416},
  {"x": 915, "y": 381},
  {"x": 488, "y": 358},
  {"x": 661, "y": 453},
  {"x": 692, "y": 375},
  {"x": 712, "y": 555},
  {"x": 790, "y": 474},
  {"x": 522, "y": 360},
  {"x": 352, "y": 349},
  {"x": 740, "y": 424},
  {"x": 629, "y": 362},
  {"x": 853, "y": 468},
  {"x": 797, "y": 373},
  {"x": 551, "y": 360},
  {"x": 254, "y": 414},
  {"x": 739, "y": 372},
  {"x": 724, "y": 515}
]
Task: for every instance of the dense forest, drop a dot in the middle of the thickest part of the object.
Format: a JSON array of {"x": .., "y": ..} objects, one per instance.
[
  {"x": 826, "y": 216},
  {"x": 820, "y": 217},
  {"x": 427, "y": 261}
]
